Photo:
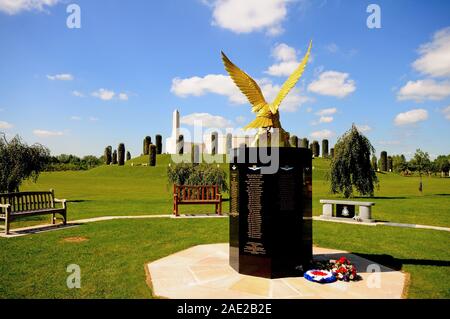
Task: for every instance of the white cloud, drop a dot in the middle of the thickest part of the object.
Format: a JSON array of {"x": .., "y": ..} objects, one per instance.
[
  {"x": 223, "y": 85},
  {"x": 45, "y": 133},
  {"x": 12, "y": 7},
  {"x": 211, "y": 83},
  {"x": 123, "y": 97},
  {"x": 75, "y": 118},
  {"x": 5, "y": 125},
  {"x": 93, "y": 119},
  {"x": 104, "y": 94},
  {"x": 435, "y": 55},
  {"x": 249, "y": 15},
  {"x": 411, "y": 117},
  {"x": 206, "y": 120},
  {"x": 322, "y": 134},
  {"x": 326, "y": 119},
  {"x": 333, "y": 83},
  {"x": 328, "y": 111},
  {"x": 422, "y": 90},
  {"x": 60, "y": 77},
  {"x": 77, "y": 93},
  {"x": 364, "y": 128},
  {"x": 446, "y": 112},
  {"x": 287, "y": 58}
]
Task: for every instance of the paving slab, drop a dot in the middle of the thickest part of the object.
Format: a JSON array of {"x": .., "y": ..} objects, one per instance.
[{"x": 203, "y": 272}]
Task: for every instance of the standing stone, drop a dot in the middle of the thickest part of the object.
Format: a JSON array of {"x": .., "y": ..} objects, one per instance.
[
  {"x": 294, "y": 141},
  {"x": 304, "y": 143},
  {"x": 158, "y": 141},
  {"x": 315, "y": 148},
  {"x": 180, "y": 144},
  {"x": 383, "y": 161},
  {"x": 147, "y": 142},
  {"x": 325, "y": 148},
  {"x": 114, "y": 158},
  {"x": 332, "y": 152},
  {"x": 121, "y": 154},
  {"x": 152, "y": 155},
  {"x": 214, "y": 143}
]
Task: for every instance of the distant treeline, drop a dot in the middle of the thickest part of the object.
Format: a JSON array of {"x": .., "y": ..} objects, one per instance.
[{"x": 65, "y": 162}]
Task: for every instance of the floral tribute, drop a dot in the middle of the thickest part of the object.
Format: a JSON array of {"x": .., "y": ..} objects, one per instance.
[
  {"x": 327, "y": 272},
  {"x": 343, "y": 269},
  {"x": 321, "y": 276}
]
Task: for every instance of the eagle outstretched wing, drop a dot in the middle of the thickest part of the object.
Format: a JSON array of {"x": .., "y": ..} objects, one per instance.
[
  {"x": 290, "y": 82},
  {"x": 246, "y": 84}
]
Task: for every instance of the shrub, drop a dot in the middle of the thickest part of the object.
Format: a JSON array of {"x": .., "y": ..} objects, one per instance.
[
  {"x": 293, "y": 141},
  {"x": 147, "y": 142},
  {"x": 108, "y": 155},
  {"x": 383, "y": 161},
  {"x": 325, "y": 148},
  {"x": 351, "y": 165},
  {"x": 158, "y": 141},
  {"x": 203, "y": 174},
  {"x": 121, "y": 154},
  {"x": 114, "y": 157},
  {"x": 152, "y": 155},
  {"x": 18, "y": 162},
  {"x": 399, "y": 164}
]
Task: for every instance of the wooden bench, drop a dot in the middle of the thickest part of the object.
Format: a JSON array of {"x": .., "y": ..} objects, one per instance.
[
  {"x": 365, "y": 209},
  {"x": 202, "y": 194},
  {"x": 16, "y": 205}
]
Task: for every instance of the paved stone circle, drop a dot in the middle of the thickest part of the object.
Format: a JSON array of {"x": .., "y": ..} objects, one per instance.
[{"x": 203, "y": 272}]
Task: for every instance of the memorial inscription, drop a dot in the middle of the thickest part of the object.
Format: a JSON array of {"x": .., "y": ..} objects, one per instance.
[{"x": 270, "y": 215}]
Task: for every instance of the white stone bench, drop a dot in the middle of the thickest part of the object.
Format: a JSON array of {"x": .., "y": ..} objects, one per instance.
[{"x": 365, "y": 209}]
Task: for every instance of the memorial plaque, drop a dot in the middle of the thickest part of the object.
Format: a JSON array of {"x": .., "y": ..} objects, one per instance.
[
  {"x": 345, "y": 211},
  {"x": 271, "y": 214}
]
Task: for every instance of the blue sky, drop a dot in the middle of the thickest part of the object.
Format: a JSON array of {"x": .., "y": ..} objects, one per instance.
[{"x": 120, "y": 76}]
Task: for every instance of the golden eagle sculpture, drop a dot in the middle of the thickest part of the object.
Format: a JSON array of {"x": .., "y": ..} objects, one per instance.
[{"x": 267, "y": 117}]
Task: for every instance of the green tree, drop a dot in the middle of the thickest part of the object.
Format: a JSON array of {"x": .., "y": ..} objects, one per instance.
[
  {"x": 442, "y": 164},
  {"x": 351, "y": 165},
  {"x": 420, "y": 163},
  {"x": 18, "y": 162},
  {"x": 399, "y": 164}
]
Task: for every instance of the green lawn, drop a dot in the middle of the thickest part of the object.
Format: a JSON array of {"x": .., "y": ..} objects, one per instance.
[
  {"x": 127, "y": 190},
  {"x": 112, "y": 259}
]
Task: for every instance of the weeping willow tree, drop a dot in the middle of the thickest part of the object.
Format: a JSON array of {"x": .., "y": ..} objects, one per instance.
[{"x": 351, "y": 166}]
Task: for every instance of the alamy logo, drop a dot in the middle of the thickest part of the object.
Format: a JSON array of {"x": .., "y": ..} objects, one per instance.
[
  {"x": 74, "y": 279},
  {"x": 374, "y": 19},
  {"x": 74, "y": 19}
]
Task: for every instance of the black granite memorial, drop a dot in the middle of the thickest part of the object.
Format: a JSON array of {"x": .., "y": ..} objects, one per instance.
[{"x": 271, "y": 213}]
